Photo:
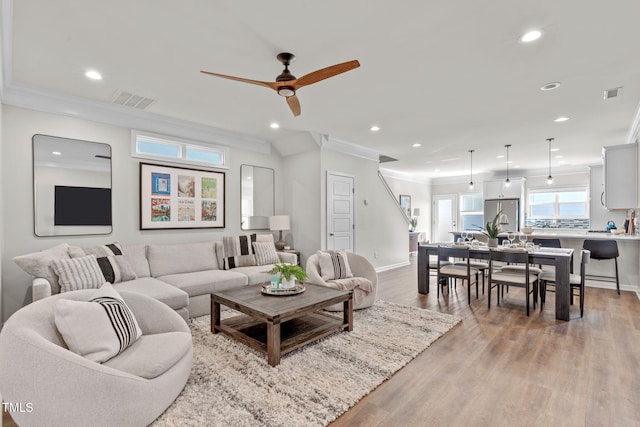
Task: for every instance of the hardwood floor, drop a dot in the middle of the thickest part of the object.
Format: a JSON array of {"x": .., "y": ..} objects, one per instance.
[{"x": 500, "y": 368}]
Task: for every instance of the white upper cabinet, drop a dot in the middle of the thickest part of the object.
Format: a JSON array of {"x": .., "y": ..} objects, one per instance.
[
  {"x": 621, "y": 176},
  {"x": 499, "y": 189}
]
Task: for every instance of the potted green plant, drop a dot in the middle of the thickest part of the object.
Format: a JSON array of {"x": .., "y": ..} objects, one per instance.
[
  {"x": 413, "y": 223},
  {"x": 289, "y": 273},
  {"x": 492, "y": 230}
]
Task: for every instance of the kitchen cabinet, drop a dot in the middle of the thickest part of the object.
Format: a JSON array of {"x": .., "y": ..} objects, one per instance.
[
  {"x": 621, "y": 176},
  {"x": 498, "y": 189}
]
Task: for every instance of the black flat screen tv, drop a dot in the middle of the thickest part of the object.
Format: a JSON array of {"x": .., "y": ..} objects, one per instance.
[{"x": 82, "y": 206}]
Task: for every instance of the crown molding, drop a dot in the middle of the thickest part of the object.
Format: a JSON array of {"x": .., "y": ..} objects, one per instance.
[
  {"x": 403, "y": 176},
  {"x": 352, "y": 149}
]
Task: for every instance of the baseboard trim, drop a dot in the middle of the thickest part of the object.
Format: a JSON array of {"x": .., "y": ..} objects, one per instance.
[
  {"x": 612, "y": 285},
  {"x": 392, "y": 266}
]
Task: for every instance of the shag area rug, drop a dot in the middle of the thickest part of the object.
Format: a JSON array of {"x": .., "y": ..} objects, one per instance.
[{"x": 232, "y": 385}]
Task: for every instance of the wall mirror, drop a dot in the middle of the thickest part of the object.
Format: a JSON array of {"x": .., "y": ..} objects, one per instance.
[
  {"x": 71, "y": 186},
  {"x": 257, "y": 197}
]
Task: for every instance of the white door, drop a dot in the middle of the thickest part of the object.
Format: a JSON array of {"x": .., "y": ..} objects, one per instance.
[
  {"x": 445, "y": 213},
  {"x": 340, "y": 217}
]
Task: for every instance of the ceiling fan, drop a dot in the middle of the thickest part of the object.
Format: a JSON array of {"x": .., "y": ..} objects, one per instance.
[{"x": 287, "y": 84}]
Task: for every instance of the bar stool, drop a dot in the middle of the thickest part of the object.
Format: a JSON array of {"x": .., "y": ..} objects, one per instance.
[{"x": 604, "y": 249}]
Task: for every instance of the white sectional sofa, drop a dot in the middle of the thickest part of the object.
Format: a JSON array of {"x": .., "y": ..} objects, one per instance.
[{"x": 180, "y": 275}]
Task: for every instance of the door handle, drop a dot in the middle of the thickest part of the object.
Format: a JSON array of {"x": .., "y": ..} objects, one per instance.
[{"x": 331, "y": 234}]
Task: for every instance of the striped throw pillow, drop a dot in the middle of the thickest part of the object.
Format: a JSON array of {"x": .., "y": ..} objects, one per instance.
[
  {"x": 116, "y": 269},
  {"x": 78, "y": 273},
  {"x": 97, "y": 329},
  {"x": 265, "y": 253},
  {"x": 111, "y": 249},
  {"x": 334, "y": 265},
  {"x": 238, "y": 251}
]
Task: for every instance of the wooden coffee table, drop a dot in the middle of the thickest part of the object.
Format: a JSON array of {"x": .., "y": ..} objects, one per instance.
[{"x": 276, "y": 325}]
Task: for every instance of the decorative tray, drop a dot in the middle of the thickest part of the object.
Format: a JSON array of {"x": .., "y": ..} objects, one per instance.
[{"x": 269, "y": 290}]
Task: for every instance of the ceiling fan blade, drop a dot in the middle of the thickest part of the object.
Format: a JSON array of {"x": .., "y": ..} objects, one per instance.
[
  {"x": 325, "y": 73},
  {"x": 270, "y": 85},
  {"x": 294, "y": 104}
]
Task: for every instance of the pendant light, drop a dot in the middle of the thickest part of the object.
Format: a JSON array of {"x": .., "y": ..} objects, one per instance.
[
  {"x": 471, "y": 170},
  {"x": 550, "y": 178},
  {"x": 507, "y": 183}
]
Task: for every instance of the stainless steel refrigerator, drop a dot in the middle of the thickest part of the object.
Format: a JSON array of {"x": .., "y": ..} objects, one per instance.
[{"x": 510, "y": 217}]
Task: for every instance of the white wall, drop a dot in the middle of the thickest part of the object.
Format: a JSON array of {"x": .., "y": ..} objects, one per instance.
[
  {"x": 17, "y": 194},
  {"x": 2, "y": 205},
  {"x": 381, "y": 233},
  {"x": 420, "y": 193}
]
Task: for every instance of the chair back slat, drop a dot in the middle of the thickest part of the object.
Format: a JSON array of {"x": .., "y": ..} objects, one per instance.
[{"x": 547, "y": 243}]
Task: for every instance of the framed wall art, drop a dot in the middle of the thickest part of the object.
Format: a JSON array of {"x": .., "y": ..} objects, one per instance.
[
  {"x": 176, "y": 197},
  {"x": 405, "y": 204}
]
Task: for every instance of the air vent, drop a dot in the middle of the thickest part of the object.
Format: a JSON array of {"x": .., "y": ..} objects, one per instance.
[
  {"x": 612, "y": 93},
  {"x": 127, "y": 99},
  {"x": 386, "y": 159}
]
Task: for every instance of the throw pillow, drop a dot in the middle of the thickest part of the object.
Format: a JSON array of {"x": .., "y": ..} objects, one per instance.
[
  {"x": 116, "y": 269},
  {"x": 38, "y": 264},
  {"x": 265, "y": 237},
  {"x": 78, "y": 273},
  {"x": 265, "y": 253},
  {"x": 334, "y": 265},
  {"x": 238, "y": 251},
  {"x": 111, "y": 249},
  {"x": 98, "y": 329}
]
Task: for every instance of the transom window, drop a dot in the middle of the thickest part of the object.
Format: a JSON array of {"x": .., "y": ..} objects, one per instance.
[
  {"x": 152, "y": 146},
  {"x": 559, "y": 203}
]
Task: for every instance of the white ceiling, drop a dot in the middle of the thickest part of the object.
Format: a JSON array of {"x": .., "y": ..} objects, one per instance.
[{"x": 452, "y": 76}]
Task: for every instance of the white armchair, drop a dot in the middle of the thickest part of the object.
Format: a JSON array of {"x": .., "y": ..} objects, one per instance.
[
  {"x": 64, "y": 388},
  {"x": 362, "y": 271}
]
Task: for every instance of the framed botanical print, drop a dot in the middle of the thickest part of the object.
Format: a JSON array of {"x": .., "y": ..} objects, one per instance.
[
  {"x": 176, "y": 197},
  {"x": 405, "y": 204}
]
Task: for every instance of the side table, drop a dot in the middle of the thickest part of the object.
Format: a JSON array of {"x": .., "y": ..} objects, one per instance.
[{"x": 293, "y": 251}]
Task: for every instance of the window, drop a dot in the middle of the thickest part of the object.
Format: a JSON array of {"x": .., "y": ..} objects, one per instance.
[
  {"x": 151, "y": 146},
  {"x": 563, "y": 203},
  {"x": 471, "y": 211}
]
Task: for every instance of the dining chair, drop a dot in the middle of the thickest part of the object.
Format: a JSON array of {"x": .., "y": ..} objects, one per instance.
[
  {"x": 575, "y": 280},
  {"x": 602, "y": 250},
  {"x": 498, "y": 278},
  {"x": 448, "y": 271},
  {"x": 546, "y": 242}
]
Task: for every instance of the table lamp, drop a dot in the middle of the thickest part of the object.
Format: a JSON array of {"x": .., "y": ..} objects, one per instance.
[{"x": 279, "y": 223}]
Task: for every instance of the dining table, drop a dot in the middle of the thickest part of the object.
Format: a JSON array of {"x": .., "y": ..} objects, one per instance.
[{"x": 560, "y": 258}]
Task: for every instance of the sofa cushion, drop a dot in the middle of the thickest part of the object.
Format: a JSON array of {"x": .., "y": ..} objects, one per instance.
[
  {"x": 205, "y": 282},
  {"x": 97, "y": 329},
  {"x": 157, "y": 289},
  {"x": 112, "y": 249},
  {"x": 256, "y": 274},
  {"x": 265, "y": 253},
  {"x": 238, "y": 251},
  {"x": 181, "y": 258},
  {"x": 38, "y": 264},
  {"x": 137, "y": 257},
  {"x": 78, "y": 273},
  {"x": 152, "y": 355}
]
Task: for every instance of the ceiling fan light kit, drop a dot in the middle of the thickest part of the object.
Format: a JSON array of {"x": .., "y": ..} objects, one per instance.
[{"x": 287, "y": 84}]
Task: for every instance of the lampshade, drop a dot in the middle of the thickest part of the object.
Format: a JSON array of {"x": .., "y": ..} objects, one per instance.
[
  {"x": 279, "y": 222},
  {"x": 416, "y": 211}
]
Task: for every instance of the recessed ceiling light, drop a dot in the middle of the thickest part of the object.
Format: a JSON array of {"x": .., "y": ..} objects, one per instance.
[
  {"x": 516, "y": 167},
  {"x": 274, "y": 125},
  {"x": 510, "y": 161},
  {"x": 531, "y": 36},
  {"x": 437, "y": 170},
  {"x": 551, "y": 86},
  {"x": 56, "y": 153},
  {"x": 500, "y": 157},
  {"x": 416, "y": 145},
  {"x": 561, "y": 119},
  {"x": 374, "y": 128},
  {"x": 562, "y": 162},
  {"x": 555, "y": 149},
  {"x": 93, "y": 75},
  {"x": 559, "y": 156}
]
